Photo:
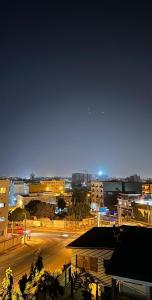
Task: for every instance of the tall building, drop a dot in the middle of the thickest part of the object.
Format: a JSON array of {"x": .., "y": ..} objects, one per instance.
[
  {"x": 82, "y": 179},
  {"x": 96, "y": 194},
  {"x": 4, "y": 200}
]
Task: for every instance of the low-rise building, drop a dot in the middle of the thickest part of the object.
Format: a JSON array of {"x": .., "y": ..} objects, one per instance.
[
  {"x": 91, "y": 252},
  {"x": 53, "y": 186},
  {"x": 4, "y": 201},
  {"x": 116, "y": 260},
  {"x": 130, "y": 265},
  {"x": 49, "y": 197}
]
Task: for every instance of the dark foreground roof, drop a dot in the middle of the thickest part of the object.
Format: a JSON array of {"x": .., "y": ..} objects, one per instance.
[
  {"x": 97, "y": 237},
  {"x": 132, "y": 257}
]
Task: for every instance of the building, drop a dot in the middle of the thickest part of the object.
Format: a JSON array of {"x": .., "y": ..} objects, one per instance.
[
  {"x": 81, "y": 179},
  {"x": 17, "y": 187},
  {"x": 134, "y": 178},
  {"x": 125, "y": 206},
  {"x": 117, "y": 261},
  {"x": 111, "y": 190},
  {"x": 47, "y": 197},
  {"x": 97, "y": 200},
  {"x": 52, "y": 186},
  {"x": 130, "y": 265},
  {"x": 4, "y": 201},
  {"x": 147, "y": 189},
  {"x": 90, "y": 253}
]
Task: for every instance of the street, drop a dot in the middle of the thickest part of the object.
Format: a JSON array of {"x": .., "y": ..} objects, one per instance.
[{"x": 52, "y": 245}]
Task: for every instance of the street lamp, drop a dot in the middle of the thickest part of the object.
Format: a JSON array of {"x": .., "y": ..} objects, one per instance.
[{"x": 24, "y": 227}]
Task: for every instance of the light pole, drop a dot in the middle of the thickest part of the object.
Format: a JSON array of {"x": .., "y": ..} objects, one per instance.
[
  {"x": 24, "y": 228},
  {"x": 12, "y": 226},
  {"x": 98, "y": 216},
  {"x": 119, "y": 214}
]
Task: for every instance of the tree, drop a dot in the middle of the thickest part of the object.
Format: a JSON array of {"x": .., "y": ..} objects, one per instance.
[
  {"x": 61, "y": 203},
  {"x": 37, "y": 265},
  {"x": 48, "y": 286},
  {"x": 40, "y": 209},
  {"x": 80, "y": 205},
  {"x": 7, "y": 285},
  {"x": 22, "y": 284},
  {"x": 18, "y": 214}
]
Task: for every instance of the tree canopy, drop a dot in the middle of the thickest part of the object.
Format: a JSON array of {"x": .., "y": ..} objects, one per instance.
[
  {"x": 40, "y": 209},
  {"x": 18, "y": 214},
  {"x": 61, "y": 203},
  {"x": 80, "y": 205}
]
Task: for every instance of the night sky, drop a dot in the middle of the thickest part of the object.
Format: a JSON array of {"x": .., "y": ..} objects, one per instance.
[{"x": 75, "y": 87}]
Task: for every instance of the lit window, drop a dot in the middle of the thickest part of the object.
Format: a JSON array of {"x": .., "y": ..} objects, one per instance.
[
  {"x": 2, "y": 190},
  {"x": 2, "y": 204},
  {"x": 94, "y": 264},
  {"x": 2, "y": 219},
  {"x": 88, "y": 263}
]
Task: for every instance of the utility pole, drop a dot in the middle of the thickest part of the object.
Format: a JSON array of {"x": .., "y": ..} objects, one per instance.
[
  {"x": 12, "y": 226},
  {"x": 119, "y": 215}
]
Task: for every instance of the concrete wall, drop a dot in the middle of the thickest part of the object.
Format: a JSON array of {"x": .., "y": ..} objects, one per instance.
[
  {"x": 63, "y": 224},
  {"x": 7, "y": 244}
]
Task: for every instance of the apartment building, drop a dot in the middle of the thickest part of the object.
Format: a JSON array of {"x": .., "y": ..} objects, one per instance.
[
  {"x": 4, "y": 200},
  {"x": 96, "y": 194}
]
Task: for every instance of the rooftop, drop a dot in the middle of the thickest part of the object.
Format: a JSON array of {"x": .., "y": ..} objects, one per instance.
[
  {"x": 132, "y": 256},
  {"x": 97, "y": 237}
]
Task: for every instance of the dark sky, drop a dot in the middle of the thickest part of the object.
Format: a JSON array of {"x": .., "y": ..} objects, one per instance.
[{"x": 75, "y": 87}]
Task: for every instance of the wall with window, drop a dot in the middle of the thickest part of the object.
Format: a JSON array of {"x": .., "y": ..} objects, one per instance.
[
  {"x": 4, "y": 200},
  {"x": 96, "y": 194},
  {"x": 92, "y": 261}
]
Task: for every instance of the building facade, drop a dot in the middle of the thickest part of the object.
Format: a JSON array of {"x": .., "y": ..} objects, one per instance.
[
  {"x": 82, "y": 179},
  {"x": 147, "y": 189},
  {"x": 53, "y": 186},
  {"x": 17, "y": 188},
  {"x": 4, "y": 201},
  {"x": 90, "y": 254},
  {"x": 97, "y": 200}
]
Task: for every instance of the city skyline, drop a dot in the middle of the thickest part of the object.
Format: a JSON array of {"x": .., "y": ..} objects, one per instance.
[{"x": 75, "y": 88}]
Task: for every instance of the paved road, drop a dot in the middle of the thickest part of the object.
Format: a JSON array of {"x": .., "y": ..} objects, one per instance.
[{"x": 52, "y": 245}]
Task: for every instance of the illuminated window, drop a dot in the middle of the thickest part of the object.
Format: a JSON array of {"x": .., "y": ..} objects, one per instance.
[
  {"x": 2, "y": 219},
  {"x": 88, "y": 263},
  {"x": 94, "y": 264},
  {"x": 2, "y": 204},
  {"x": 2, "y": 190}
]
